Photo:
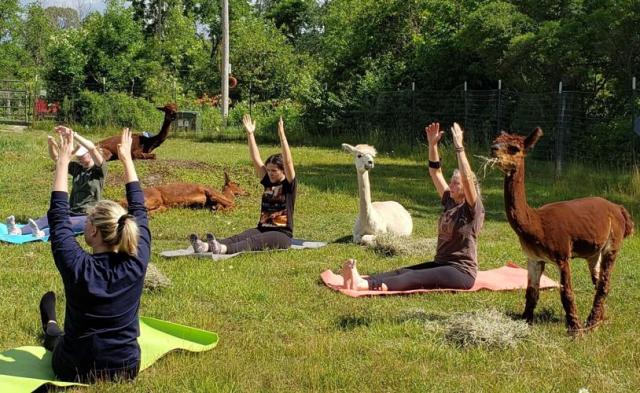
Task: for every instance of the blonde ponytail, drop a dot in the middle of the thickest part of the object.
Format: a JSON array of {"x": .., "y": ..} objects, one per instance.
[{"x": 117, "y": 228}]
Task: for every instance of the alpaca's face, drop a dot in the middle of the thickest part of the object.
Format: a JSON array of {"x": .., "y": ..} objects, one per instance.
[
  {"x": 508, "y": 151},
  {"x": 363, "y": 156}
]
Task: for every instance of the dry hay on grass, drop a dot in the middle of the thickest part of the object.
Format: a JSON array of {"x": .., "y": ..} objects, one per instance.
[
  {"x": 390, "y": 244},
  {"x": 485, "y": 328},
  {"x": 155, "y": 279}
]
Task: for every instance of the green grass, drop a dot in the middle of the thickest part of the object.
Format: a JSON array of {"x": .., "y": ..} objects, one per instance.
[{"x": 281, "y": 330}]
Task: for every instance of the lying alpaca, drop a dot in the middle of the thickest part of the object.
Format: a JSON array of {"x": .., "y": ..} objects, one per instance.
[
  {"x": 590, "y": 228},
  {"x": 141, "y": 145},
  {"x": 377, "y": 217},
  {"x": 160, "y": 198}
]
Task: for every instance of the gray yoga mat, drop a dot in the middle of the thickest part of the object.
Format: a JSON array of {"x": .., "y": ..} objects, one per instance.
[{"x": 296, "y": 244}]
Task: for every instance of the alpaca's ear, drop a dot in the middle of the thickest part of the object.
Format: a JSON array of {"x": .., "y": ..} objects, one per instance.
[
  {"x": 348, "y": 148},
  {"x": 531, "y": 140},
  {"x": 226, "y": 178}
]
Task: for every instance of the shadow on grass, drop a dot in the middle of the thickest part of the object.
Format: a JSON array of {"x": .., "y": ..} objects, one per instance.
[
  {"x": 350, "y": 322},
  {"x": 545, "y": 316}
]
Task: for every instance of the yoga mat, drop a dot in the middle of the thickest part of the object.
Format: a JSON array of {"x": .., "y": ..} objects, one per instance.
[
  {"x": 21, "y": 239},
  {"x": 508, "y": 277},
  {"x": 24, "y": 369},
  {"x": 296, "y": 244}
]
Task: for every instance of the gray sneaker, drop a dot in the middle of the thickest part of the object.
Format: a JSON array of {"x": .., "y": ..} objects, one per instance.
[
  {"x": 214, "y": 245},
  {"x": 198, "y": 245}
]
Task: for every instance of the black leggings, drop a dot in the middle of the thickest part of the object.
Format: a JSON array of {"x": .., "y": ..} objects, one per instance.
[
  {"x": 428, "y": 275},
  {"x": 66, "y": 372},
  {"x": 255, "y": 240}
]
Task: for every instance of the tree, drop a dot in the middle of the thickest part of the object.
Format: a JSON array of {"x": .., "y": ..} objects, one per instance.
[{"x": 63, "y": 17}]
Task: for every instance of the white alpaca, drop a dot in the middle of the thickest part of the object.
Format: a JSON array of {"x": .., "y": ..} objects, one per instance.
[{"x": 377, "y": 217}]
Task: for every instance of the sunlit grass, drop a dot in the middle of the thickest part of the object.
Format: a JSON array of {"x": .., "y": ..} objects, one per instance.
[{"x": 281, "y": 330}]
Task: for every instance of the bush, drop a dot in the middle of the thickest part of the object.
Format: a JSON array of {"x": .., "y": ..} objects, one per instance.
[
  {"x": 116, "y": 109},
  {"x": 267, "y": 114}
]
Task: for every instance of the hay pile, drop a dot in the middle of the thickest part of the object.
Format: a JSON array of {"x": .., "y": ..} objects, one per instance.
[
  {"x": 391, "y": 245},
  {"x": 154, "y": 279},
  {"x": 486, "y": 328}
]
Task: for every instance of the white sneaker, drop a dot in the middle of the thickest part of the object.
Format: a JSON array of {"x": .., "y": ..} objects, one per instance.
[
  {"x": 35, "y": 230},
  {"x": 12, "y": 228}
]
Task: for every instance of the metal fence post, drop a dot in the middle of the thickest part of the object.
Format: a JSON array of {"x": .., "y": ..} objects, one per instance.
[
  {"x": 635, "y": 121},
  {"x": 499, "y": 106},
  {"x": 250, "y": 98},
  {"x": 413, "y": 110},
  {"x": 466, "y": 105},
  {"x": 559, "y": 147}
]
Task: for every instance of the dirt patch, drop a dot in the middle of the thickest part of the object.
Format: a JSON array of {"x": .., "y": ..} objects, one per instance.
[
  {"x": 12, "y": 128},
  {"x": 158, "y": 172}
]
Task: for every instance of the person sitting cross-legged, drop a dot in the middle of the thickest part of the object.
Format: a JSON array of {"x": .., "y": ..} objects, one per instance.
[
  {"x": 87, "y": 174},
  {"x": 102, "y": 288},
  {"x": 275, "y": 227},
  {"x": 455, "y": 265}
]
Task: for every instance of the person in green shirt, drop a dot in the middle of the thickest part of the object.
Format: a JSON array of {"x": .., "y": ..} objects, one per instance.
[{"x": 88, "y": 175}]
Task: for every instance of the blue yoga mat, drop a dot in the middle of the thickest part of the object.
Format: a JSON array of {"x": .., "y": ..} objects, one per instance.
[{"x": 21, "y": 239}]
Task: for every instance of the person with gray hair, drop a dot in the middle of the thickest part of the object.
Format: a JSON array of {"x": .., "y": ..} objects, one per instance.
[
  {"x": 455, "y": 265},
  {"x": 88, "y": 175}
]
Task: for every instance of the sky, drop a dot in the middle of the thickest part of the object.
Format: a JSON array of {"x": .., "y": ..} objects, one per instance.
[{"x": 86, "y": 6}]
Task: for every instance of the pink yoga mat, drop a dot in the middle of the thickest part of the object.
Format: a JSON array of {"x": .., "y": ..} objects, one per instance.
[{"x": 508, "y": 277}]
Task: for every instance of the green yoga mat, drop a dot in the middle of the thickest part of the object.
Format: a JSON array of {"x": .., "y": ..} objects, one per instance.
[{"x": 24, "y": 369}]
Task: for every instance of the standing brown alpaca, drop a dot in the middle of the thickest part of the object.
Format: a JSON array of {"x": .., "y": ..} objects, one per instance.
[
  {"x": 160, "y": 198},
  {"x": 590, "y": 228},
  {"x": 142, "y": 145}
]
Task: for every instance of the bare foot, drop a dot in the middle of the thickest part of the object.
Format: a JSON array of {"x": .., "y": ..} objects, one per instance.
[
  {"x": 352, "y": 278},
  {"x": 347, "y": 277}
]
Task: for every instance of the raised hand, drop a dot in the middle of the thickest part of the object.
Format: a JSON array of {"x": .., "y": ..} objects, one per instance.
[
  {"x": 124, "y": 147},
  {"x": 457, "y": 134},
  {"x": 249, "y": 126},
  {"x": 62, "y": 130},
  {"x": 65, "y": 148},
  {"x": 53, "y": 145},
  {"x": 433, "y": 133},
  {"x": 280, "y": 126}
]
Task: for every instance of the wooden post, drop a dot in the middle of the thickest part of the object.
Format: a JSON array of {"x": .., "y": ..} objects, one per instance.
[{"x": 225, "y": 62}]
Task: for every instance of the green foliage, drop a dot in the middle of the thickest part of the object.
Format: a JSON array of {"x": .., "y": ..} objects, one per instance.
[
  {"x": 64, "y": 73},
  {"x": 115, "y": 48},
  {"x": 116, "y": 109}
]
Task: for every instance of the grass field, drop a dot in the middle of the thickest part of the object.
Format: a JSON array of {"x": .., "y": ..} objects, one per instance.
[{"x": 282, "y": 330}]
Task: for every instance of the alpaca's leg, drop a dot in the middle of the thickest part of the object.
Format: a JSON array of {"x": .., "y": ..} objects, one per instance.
[
  {"x": 368, "y": 240},
  {"x": 138, "y": 155},
  {"x": 568, "y": 298},
  {"x": 602, "y": 289},
  {"x": 594, "y": 268},
  {"x": 535, "y": 269}
]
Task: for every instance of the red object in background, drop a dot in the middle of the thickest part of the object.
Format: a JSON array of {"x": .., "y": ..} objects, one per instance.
[
  {"x": 41, "y": 106},
  {"x": 44, "y": 109}
]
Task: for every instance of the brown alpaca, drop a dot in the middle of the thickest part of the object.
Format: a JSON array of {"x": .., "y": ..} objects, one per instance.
[
  {"x": 141, "y": 146},
  {"x": 160, "y": 198},
  {"x": 590, "y": 228}
]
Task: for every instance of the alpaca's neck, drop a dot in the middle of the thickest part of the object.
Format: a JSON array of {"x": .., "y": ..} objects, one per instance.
[
  {"x": 164, "y": 131},
  {"x": 365, "y": 194},
  {"x": 523, "y": 219},
  {"x": 226, "y": 191}
]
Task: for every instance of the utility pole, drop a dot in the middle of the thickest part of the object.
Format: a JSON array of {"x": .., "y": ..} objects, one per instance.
[{"x": 225, "y": 62}]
